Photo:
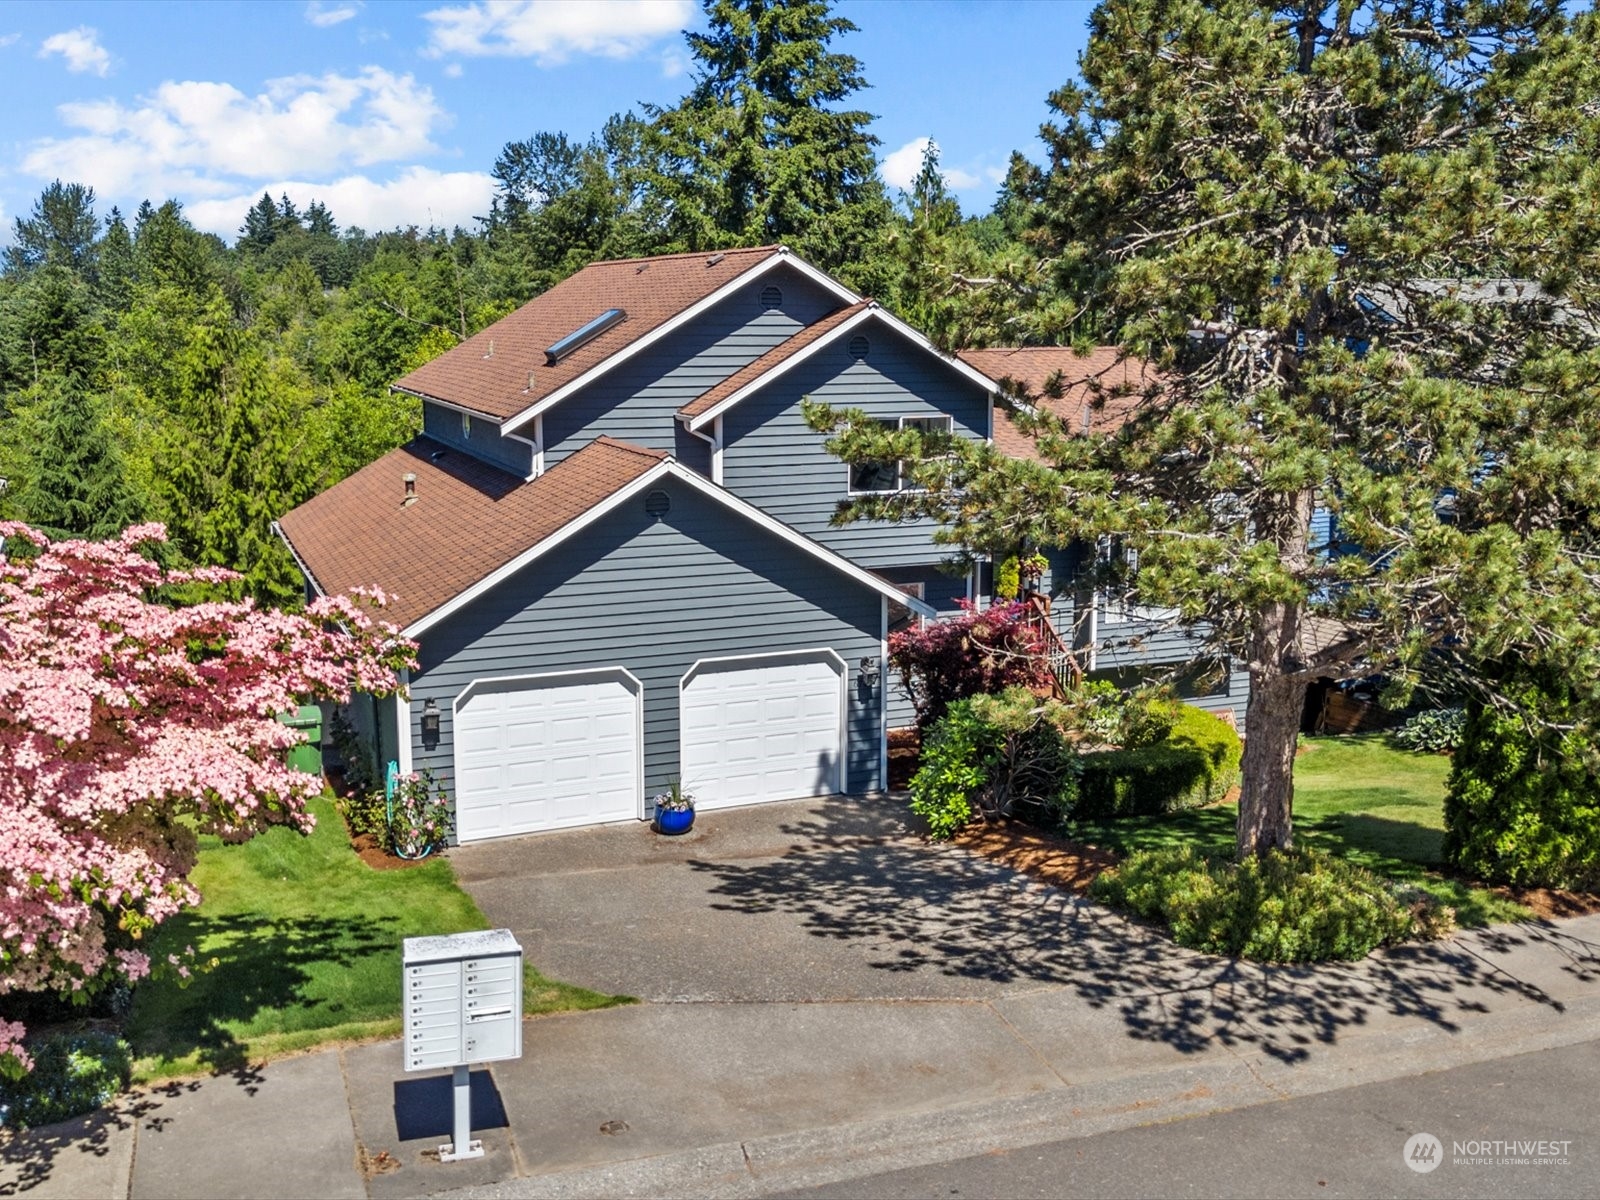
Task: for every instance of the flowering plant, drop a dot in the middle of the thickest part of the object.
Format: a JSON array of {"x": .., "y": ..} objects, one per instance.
[
  {"x": 419, "y": 816},
  {"x": 674, "y": 799},
  {"x": 129, "y": 725}
]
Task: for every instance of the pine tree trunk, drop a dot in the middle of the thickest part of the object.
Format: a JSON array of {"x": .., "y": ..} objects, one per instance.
[{"x": 1272, "y": 731}]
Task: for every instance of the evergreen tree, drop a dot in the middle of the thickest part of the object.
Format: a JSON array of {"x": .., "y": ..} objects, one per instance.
[
  {"x": 261, "y": 226},
  {"x": 61, "y": 231},
  {"x": 1362, "y": 244},
  {"x": 72, "y": 479},
  {"x": 758, "y": 151}
]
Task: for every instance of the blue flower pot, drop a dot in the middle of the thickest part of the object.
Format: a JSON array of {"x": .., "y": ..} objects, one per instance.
[{"x": 674, "y": 821}]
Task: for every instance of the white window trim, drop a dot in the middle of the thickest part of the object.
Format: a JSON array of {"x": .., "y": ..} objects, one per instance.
[{"x": 900, "y": 487}]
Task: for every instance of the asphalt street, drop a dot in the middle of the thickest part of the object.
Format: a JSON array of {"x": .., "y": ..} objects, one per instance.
[{"x": 1343, "y": 1143}]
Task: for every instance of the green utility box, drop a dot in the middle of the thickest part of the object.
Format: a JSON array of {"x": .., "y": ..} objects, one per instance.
[{"x": 307, "y": 756}]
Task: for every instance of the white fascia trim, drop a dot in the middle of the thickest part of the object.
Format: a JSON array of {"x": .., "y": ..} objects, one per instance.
[
  {"x": 298, "y": 561},
  {"x": 782, "y": 258},
  {"x": 843, "y": 565},
  {"x": 989, "y": 386},
  {"x": 537, "y": 443},
  {"x": 460, "y": 408},
  {"x": 667, "y": 467},
  {"x": 714, "y": 414},
  {"x": 575, "y": 526}
]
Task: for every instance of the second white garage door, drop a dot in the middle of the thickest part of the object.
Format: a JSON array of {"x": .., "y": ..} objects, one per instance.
[
  {"x": 547, "y": 753},
  {"x": 763, "y": 728}
]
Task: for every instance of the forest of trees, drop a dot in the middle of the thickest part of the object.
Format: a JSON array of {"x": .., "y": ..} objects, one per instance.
[{"x": 150, "y": 371}]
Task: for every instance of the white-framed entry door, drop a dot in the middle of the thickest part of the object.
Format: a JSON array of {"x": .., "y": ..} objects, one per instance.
[
  {"x": 763, "y": 727},
  {"x": 549, "y": 751}
]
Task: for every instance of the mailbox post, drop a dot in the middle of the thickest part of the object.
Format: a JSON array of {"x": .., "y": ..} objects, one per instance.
[{"x": 463, "y": 1004}]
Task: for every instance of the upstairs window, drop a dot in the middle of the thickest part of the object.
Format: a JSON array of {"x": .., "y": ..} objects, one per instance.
[{"x": 867, "y": 478}]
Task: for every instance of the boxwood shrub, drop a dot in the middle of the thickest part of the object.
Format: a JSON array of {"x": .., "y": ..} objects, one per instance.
[
  {"x": 1291, "y": 907},
  {"x": 73, "y": 1074},
  {"x": 1197, "y": 763}
]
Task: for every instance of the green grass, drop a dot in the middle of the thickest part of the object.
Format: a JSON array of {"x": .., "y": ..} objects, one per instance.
[
  {"x": 1356, "y": 797},
  {"x": 307, "y": 942}
]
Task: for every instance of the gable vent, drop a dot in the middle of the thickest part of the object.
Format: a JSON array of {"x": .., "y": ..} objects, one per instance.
[
  {"x": 657, "y": 504},
  {"x": 859, "y": 347},
  {"x": 583, "y": 335},
  {"x": 771, "y": 297}
]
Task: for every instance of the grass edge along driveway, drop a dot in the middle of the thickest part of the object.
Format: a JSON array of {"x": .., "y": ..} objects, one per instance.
[
  {"x": 307, "y": 942},
  {"x": 1356, "y": 797}
]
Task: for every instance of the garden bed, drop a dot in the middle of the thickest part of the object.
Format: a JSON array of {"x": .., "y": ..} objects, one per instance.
[{"x": 1047, "y": 857}]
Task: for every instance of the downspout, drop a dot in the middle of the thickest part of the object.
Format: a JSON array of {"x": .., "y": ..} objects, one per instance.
[{"x": 714, "y": 441}]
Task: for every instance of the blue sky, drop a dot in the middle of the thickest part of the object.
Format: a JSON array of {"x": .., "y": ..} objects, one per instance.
[{"x": 393, "y": 113}]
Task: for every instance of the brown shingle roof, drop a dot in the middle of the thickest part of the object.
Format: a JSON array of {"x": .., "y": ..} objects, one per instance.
[
  {"x": 1028, "y": 370},
  {"x": 469, "y": 519},
  {"x": 501, "y": 371},
  {"x": 783, "y": 351}
]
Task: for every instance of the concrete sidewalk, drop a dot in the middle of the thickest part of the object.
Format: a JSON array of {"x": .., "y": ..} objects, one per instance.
[{"x": 726, "y": 1098}]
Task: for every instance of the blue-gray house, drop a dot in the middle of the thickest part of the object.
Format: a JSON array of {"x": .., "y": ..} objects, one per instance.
[{"x": 613, "y": 544}]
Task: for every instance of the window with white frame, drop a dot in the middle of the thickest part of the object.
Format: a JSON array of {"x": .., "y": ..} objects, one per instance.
[
  {"x": 1116, "y": 604},
  {"x": 877, "y": 477}
]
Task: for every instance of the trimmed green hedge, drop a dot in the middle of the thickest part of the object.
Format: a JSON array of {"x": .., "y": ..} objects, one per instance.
[
  {"x": 1197, "y": 764},
  {"x": 1295, "y": 906},
  {"x": 73, "y": 1074}
]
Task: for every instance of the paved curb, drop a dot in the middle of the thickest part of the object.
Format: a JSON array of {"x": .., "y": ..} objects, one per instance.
[{"x": 788, "y": 1162}]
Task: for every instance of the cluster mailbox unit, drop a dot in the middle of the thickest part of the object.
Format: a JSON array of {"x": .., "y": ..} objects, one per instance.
[{"x": 463, "y": 1004}]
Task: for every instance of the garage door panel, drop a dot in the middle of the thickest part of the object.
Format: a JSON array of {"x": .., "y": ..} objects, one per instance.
[
  {"x": 545, "y": 754},
  {"x": 755, "y": 730}
]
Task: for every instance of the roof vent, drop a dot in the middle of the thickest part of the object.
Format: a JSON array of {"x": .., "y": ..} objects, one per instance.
[
  {"x": 411, "y": 490},
  {"x": 583, "y": 335},
  {"x": 771, "y": 297},
  {"x": 715, "y": 259},
  {"x": 490, "y": 352},
  {"x": 657, "y": 504},
  {"x": 859, "y": 347}
]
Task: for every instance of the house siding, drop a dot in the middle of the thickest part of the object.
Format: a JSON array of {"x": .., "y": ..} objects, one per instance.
[
  {"x": 775, "y": 461},
  {"x": 638, "y": 400},
  {"x": 484, "y": 441},
  {"x": 655, "y": 597}
]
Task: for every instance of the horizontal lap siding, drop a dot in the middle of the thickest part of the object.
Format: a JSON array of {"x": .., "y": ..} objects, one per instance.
[
  {"x": 655, "y": 598},
  {"x": 483, "y": 441},
  {"x": 772, "y": 459},
  {"x": 638, "y": 400}
]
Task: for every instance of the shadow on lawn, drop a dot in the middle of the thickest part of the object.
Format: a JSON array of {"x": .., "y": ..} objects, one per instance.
[
  {"x": 263, "y": 963},
  {"x": 918, "y": 908}
]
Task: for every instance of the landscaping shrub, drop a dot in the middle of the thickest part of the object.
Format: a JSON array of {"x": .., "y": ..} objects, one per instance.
[
  {"x": 1523, "y": 806},
  {"x": 976, "y": 653},
  {"x": 1294, "y": 906},
  {"x": 994, "y": 757},
  {"x": 1196, "y": 764},
  {"x": 73, "y": 1074},
  {"x": 419, "y": 819},
  {"x": 365, "y": 812},
  {"x": 1437, "y": 731}
]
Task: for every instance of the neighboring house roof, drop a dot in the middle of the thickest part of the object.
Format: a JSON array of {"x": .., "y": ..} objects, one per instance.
[
  {"x": 1063, "y": 383},
  {"x": 471, "y": 525},
  {"x": 705, "y": 408},
  {"x": 502, "y": 372}
]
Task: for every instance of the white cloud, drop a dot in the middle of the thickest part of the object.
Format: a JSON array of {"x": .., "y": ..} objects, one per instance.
[
  {"x": 416, "y": 196},
  {"x": 452, "y": 70},
  {"x": 8, "y": 39},
  {"x": 551, "y": 31},
  {"x": 675, "y": 61},
  {"x": 324, "y": 15},
  {"x": 81, "y": 48},
  {"x": 900, "y": 168},
  {"x": 196, "y": 138}
]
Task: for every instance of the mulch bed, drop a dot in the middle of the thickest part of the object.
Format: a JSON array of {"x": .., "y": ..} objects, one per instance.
[
  {"x": 370, "y": 851},
  {"x": 1552, "y": 902},
  {"x": 905, "y": 749},
  {"x": 1068, "y": 865}
]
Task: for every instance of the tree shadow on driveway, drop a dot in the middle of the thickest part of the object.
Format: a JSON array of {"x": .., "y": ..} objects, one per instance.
[{"x": 912, "y": 907}]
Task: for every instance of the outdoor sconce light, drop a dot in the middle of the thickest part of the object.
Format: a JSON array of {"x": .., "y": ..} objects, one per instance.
[
  {"x": 869, "y": 672},
  {"x": 430, "y": 719}
]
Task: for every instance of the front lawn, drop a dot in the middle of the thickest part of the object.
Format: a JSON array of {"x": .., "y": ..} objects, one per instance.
[
  {"x": 1356, "y": 797},
  {"x": 307, "y": 939}
]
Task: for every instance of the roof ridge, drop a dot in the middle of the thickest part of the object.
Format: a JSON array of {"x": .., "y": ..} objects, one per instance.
[{"x": 642, "y": 258}]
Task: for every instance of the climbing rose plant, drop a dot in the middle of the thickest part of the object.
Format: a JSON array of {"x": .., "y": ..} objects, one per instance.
[{"x": 129, "y": 724}]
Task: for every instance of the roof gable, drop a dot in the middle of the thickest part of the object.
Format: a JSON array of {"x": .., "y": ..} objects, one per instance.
[
  {"x": 471, "y": 525},
  {"x": 502, "y": 371}
]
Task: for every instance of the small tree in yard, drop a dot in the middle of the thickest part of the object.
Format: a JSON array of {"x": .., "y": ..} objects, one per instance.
[
  {"x": 974, "y": 654},
  {"x": 1360, "y": 242},
  {"x": 128, "y": 726}
]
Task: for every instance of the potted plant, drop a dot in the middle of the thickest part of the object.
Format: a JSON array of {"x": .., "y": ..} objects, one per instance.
[{"x": 674, "y": 810}]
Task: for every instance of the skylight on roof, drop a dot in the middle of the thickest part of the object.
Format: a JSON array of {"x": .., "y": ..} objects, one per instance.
[{"x": 583, "y": 335}]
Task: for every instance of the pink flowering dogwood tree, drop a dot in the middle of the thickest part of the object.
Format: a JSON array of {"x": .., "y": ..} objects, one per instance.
[{"x": 129, "y": 724}]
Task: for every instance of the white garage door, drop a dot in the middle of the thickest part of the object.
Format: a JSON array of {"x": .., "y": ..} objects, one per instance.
[
  {"x": 766, "y": 728},
  {"x": 547, "y": 753}
]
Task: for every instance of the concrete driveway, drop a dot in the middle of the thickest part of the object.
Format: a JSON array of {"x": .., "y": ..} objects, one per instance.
[{"x": 831, "y": 899}]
